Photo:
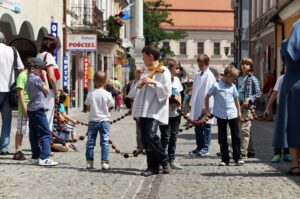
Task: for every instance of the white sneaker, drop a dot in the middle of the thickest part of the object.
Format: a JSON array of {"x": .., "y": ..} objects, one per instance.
[
  {"x": 35, "y": 161},
  {"x": 175, "y": 166},
  {"x": 89, "y": 164},
  {"x": 47, "y": 162},
  {"x": 105, "y": 165},
  {"x": 239, "y": 163}
]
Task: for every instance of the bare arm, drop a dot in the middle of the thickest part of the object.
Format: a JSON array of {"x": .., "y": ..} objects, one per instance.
[
  {"x": 46, "y": 86},
  {"x": 205, "y": 111},
  {"x": 238, "y": 107},
  {"x": 52, "y": 79},
  {"x": 272, "y": 98},
  {"x": 68, "y": 118},
  {"x": 22, "y": 101}
]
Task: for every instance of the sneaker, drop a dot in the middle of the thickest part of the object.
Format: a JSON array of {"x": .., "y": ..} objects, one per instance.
[
  {"x": 47, "y": 162},
  {"x": 276, "y": 158},
  {"x": 149, "y": 172},
  {"x": 19, "y": 156},
  {"x": 287, "y": 157},
  {"x": 223, "y": 164},
  {"x": 239, "y": 163},
  {"x": 203, "y": 152},
  {"x": 105, "y": 165},
  {"x": 219, "y": 154},
  {"x": 194, "y": 152},
  {"x": 166, "y": 169},
  {"x": 175, "y": 166},
  {"x": 4, "y": 153},
  {"x": 89, "y": 164},
  {"x": 74, "y": 147},
  {"x": 35, "y": 161}
]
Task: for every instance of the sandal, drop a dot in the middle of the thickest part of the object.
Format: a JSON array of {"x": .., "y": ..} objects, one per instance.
[{"x": 292, "y": 172}]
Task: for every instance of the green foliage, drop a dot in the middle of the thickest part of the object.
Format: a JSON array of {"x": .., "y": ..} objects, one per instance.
[
  {"x": 165, "y": 52},
  {"x": 155, "y": 14},
  {"x": 114, "y": 25}
]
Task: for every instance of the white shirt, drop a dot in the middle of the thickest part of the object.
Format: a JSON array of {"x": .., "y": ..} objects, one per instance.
[
  {"x": 153, "y": 101},
  {"x": 99, "y": 101},
  {"x": 6, "y": 64},
  {"x": 277, "y": 86},
  {"x": 201, "y": 86},
  {"x": 176, "y": 89},
  {"x": 49, "y": 59}
]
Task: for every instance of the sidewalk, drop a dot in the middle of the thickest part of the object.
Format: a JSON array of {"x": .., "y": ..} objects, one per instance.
[{"x": 200, "y": 177}]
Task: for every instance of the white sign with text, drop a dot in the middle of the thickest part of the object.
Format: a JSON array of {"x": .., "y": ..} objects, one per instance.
[{"x": 81, "y": 42}]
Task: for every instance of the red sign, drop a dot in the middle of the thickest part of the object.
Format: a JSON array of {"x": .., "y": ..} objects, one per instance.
[{"x": 85, "y": 72}]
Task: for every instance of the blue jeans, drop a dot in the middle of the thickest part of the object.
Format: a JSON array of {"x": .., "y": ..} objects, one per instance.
[
  {"x": 203, "y": 136},
  {"x": 93, "y": 129},
  {"x": 39, "y": 134},
  {"x": 6, "y": 121}
]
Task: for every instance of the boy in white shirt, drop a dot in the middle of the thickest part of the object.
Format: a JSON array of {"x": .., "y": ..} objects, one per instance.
[
  {"x": 151, "y": 106},
  {"x": 100, "y": 103},
  {"x": 203, "y": 81}
]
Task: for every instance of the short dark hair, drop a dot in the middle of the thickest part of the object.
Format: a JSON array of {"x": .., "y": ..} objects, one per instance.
[
  {"x": 152, "y": 49},
  {"x": 49, "y": 44},
  {"x": 62, "y": 97}
]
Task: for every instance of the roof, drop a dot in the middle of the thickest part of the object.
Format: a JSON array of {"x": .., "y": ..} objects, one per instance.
[{"x": 200, "y": 15}]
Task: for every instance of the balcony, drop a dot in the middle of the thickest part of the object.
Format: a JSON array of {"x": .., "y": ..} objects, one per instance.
[{"x": 86, "y": 18}]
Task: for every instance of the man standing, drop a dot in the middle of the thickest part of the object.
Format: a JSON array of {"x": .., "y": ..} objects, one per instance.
[{"x": 7, "y": 77}]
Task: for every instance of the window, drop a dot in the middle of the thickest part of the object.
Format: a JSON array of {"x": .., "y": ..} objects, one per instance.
[
  {"x": 182, "y": 48},
  {"x": 232, "y": 49},
  {"x": 200, "y": 48},
  {"x": 216, "y": 48},
  {"x": 166, "y": 44}
]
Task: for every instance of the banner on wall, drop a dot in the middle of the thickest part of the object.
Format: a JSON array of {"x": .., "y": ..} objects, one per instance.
[
  {"x": 13, "y": 5},
  {"x": 82, "y": 42}
]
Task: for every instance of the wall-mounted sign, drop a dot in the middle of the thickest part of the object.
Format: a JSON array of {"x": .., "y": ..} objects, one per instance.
[
  {"x": 85, "y": 72},
  {"x": 54, "y": 32},
  {"x": 81, "y": 42},
  {"x": 65, "y": 73}
]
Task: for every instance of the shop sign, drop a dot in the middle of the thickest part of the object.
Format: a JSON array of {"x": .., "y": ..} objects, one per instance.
[
  {"x": 81, "y": 42},
  {"x": 65, "y": 72},
  {"x": 13, "y": 5},
  {"x": 85, "y": 72}
]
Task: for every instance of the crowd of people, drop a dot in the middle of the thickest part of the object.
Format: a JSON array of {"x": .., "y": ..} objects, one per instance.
[{"x": 157, "y": 99}]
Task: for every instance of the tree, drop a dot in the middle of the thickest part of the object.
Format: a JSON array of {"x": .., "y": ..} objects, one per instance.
[{"x": 156, "y": 13}]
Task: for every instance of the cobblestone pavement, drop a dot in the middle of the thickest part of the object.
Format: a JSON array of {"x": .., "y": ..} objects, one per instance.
[{"x": 200, "y": 177}]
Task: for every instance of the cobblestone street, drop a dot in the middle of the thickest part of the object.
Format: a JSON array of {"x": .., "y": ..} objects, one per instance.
[{"x": 201, "y": 177}]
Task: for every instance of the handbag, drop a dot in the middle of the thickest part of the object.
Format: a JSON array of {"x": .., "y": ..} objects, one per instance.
[
  {"x": 56, "y": 70},
  {"x": 13, "y": 91}
]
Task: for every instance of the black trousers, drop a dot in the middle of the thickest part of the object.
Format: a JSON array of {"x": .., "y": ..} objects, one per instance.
[
  {"x": 235, "y": 137},
  {"x": 155, "y": 153},
  {"x": 169, "y": 136}
]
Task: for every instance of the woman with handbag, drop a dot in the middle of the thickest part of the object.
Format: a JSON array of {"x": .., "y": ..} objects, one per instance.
[{"x": 46, "y": 52}]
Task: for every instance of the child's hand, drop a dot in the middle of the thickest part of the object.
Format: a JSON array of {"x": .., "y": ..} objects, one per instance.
[{"x": 147, "y": 80}]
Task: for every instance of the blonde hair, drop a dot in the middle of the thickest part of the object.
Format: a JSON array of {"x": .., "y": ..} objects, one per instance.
[
  {"x": 170, "y": 62},
  {"x": 231, "y": 70},
  {"x": 248, "y": 61},
  {"x": 99, "y": 79},
  {"x": 203, "y": 58}
]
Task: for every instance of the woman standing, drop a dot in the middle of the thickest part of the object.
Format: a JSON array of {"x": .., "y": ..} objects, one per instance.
[
  {"x": 289, "y": 104},
  {"x": 46, "y": 52}
]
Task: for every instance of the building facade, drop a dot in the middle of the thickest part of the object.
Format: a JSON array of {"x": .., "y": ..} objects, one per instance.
[{"x": 209, "y": 26}]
